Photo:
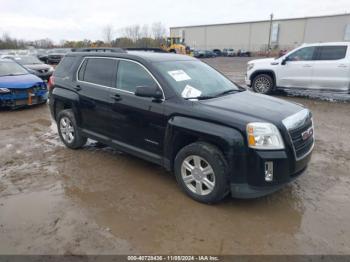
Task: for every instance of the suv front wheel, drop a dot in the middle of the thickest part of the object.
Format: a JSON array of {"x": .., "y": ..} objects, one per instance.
[
  {"x": 263, "y": 84},
  {"x": 69, "y": 131},
  {"x": 200, "y": 170}
]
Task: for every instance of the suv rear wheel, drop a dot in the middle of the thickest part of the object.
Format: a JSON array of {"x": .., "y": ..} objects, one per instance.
[
  {"x": 69, "y": 131},
  {"x": 263, "y": 84},
  {"x": 200, "y": 170}
]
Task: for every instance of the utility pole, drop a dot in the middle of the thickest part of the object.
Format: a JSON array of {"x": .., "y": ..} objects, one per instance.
[{"x": 270, "y": 31}]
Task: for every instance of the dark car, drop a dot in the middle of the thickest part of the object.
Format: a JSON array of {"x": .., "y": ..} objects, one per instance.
[
  {"x": 243, "y": 53},
  {"x": 209, "y": 54},
  {"x": 42, "y": 55},
  {"x": 35, "y": 66},
  {"x": 217, "y": 52},
  {"x": 54, "y": 56},
  {"x": 182, "y": 114},
  {"x": 18, "y": 87}
]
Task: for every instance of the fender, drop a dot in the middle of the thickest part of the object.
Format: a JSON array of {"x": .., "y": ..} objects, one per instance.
[
  {"x": 228, "y": 139},
  {"x": 66, "y": 96},
  {"x": 262, "y": 71}
]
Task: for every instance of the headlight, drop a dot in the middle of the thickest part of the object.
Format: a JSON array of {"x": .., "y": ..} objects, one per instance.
[
  {"x": 250, "y": 66},
  {"x": 4, "y": 90},
  {"x": 264, "y": 136}
]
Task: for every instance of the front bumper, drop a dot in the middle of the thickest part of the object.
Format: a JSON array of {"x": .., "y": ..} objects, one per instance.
[
  {"x": 24, "y": 98},
  {"x": 246, "y": 191},
  {"x": 285, "y": 170},
  {"x": 248, "y": 82}
]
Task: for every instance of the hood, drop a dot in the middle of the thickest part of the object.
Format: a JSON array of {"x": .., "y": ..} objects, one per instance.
[
  {"x": 262, "y": 61},
  {"x": 20, "y": 81},
  {"x": 241, "y": 108},
  {"x": 38, "y": 66}
]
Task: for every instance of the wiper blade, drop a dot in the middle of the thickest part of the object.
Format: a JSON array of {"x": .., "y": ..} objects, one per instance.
[
  {"x": 227, "y": 92},
  {"x": 231, "y": 91},
  {"x": 200, "y": 97}
]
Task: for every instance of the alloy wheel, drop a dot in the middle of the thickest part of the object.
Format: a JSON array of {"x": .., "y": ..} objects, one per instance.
[
  {"x": 262, "y": 84},
  {"x": 67, "y": 129},
  {"x": 198, "y": 175}
]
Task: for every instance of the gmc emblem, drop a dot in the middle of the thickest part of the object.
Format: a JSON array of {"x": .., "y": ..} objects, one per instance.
[{"x": 307, "y": 134}]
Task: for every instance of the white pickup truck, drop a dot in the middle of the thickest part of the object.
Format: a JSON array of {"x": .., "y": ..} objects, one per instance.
[{"x": 321, "y": 66}]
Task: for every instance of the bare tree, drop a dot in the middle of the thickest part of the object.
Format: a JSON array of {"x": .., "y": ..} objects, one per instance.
[
  {"x": 133, "y": 32},
  {"x": 158, "y": 31},
  {"x": 145, "y": 33},
  {"x": 108, "y": 33}
]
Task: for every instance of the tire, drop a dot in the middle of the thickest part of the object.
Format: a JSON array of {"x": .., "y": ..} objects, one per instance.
[
  {"x": 69, "y": 131},
  {"x": 208, "y": 156},
  {"x": 263, "y": 84}
]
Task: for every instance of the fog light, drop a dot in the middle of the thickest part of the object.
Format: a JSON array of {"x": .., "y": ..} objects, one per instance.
[{"x": 268, "y": 171}]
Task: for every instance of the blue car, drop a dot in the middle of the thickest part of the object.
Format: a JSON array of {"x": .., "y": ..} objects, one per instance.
[{"x": 18, "y": 87}]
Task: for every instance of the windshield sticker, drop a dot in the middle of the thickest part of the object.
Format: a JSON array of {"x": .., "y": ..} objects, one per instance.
[
  {"x": 179, "y": 75},
  {"x": 190, "y": 92}
]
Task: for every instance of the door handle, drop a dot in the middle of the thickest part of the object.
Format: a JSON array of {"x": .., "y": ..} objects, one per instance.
[
  {"x": 307, "y": 66},
  {"x": 342, "y": 66},
  {"x": 77, "y": 87},
  {"x": 116, "y": 97}
]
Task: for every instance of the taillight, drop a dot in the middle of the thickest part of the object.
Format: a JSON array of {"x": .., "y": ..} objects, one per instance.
[{"x": 51, "y": 83}]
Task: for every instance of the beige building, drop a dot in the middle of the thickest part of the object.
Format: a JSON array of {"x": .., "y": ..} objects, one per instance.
[{"x": 254, "y": 36}]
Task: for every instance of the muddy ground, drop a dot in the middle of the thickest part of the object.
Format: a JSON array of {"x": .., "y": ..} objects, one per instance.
[{"x": 98, "y": 201}]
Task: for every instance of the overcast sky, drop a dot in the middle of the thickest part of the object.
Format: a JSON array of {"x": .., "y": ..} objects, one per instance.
[{"x": 79, "y": 19}]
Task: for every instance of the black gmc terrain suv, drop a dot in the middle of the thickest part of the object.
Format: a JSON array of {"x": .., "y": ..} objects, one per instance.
[{"x": 182, "y": 114}]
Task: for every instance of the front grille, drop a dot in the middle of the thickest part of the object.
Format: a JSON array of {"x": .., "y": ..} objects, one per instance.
[
  {"x": 33, "y": 90},
  {"x": 301, "y": 146}
]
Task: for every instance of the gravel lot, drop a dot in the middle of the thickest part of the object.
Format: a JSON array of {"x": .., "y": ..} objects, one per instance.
[{"x": 99, "y": 201}]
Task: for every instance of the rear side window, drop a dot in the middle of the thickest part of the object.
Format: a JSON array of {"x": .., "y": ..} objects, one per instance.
[
  {"x": 131, "y": 75},
  {"x": 100, "y": 71},
  {"x": 65, "y": 67},
  {"x": 331, "y": 52}
]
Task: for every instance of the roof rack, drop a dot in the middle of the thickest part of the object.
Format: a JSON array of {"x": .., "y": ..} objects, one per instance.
[
  {"x": 100, "y": 49},
  {"x": 146, "y": 49}
]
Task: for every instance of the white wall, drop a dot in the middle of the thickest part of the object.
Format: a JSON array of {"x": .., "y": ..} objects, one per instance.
[{"x": 254, "y": 36}]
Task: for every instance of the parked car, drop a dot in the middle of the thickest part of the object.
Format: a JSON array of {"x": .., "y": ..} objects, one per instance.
[
  {"x": 217, "y": 52},
  {"x": 243, "y": 53},
  {"x": 182, "y": 114},
  {"x": 42, "y": 55},
  {"x": 229, "y": 52},
  {"x": 35, "y": 66},
  {"x": 200, "y": 54},
  {"x": 54, "y": 56},
  {"x": 18, "y": 87},
  {"x": 209, "y": 54},
  {"x": 323, "y": 66}
]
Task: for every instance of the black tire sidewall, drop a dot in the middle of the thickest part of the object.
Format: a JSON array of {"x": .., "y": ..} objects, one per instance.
[
  {"x": 217, "y": 161},
  {"x": 267, "y": 77},
  {"x": 78, "y": 140}
]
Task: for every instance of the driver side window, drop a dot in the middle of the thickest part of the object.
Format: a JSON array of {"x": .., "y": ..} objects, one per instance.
[
  {"x": 303, "y": 54},
  {"x": 131, "y": 75}
]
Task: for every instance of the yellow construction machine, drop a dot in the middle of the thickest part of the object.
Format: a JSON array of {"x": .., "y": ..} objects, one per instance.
[{"x": 175, "y": 45}]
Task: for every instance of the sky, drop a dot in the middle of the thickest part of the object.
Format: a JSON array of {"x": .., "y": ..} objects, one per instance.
[{"x": 85, "y": 19}]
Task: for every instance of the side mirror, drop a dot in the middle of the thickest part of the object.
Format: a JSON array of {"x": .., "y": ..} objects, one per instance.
[
  {"x": 285, "y": 60},
  {"x": 149, "y": 91}
]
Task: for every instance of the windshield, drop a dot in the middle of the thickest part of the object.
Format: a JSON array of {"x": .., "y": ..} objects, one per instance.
[
  {"x": 28, "y": 60},
  {"x": 11, "y": 68},
  {"x": 192, "y": 79}
]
